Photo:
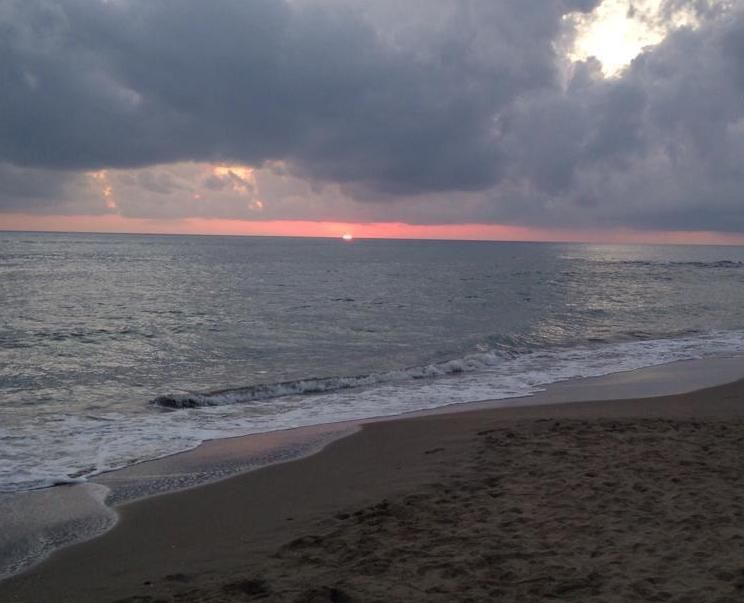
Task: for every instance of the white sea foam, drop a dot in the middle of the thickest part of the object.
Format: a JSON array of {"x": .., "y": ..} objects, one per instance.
[{"x": 64, "y": 447}]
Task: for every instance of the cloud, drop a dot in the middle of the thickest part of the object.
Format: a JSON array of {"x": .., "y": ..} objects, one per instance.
[
  {"x": 664, "y": 145},
  {"x": 30, "y": 190},
  {"x": 90, "y": 85},
  {"x": 426, "y": 112}
]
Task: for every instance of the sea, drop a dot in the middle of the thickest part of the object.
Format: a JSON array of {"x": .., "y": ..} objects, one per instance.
[
  {"x": 121, "y": 349},
  {"x": 117, "y": 349}
]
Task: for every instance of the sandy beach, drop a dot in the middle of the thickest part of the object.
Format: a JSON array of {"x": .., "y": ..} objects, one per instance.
[{"x": 631, "y": 500}]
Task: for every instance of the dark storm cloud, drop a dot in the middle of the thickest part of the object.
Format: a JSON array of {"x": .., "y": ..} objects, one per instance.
[
  {"x": 660, "y": 146},
  {"x": 399, "y": 104},
  {"x": 36, "y": 190},
  {"x": 692, "y": 122},
  {"x": 90, "y": 84}
]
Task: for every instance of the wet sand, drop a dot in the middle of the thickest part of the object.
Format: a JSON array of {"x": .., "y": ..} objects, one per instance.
[{"x": 632, "y": 500}]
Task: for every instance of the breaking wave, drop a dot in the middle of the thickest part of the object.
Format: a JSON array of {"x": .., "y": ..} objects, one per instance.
[
  {"x": 322, "y": 385},
  {"x": 504, "y": 352}
]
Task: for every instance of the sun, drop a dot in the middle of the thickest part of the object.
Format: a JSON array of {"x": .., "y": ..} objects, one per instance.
[
  {"x": 347, "y": 237},
  {"x": 614, "y": 34}
]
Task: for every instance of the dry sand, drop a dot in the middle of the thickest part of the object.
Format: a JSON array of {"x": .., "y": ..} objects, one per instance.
[{"x": 638, "y": 500}]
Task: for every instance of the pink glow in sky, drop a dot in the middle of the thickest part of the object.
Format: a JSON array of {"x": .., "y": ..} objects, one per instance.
[{"x": 376, "y": 230}]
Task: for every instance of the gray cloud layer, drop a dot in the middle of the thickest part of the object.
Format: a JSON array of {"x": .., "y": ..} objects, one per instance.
[{"x": 395, "y": 105}]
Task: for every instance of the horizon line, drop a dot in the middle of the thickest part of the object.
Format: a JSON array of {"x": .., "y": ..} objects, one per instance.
[{"x": 376, "y": 238}]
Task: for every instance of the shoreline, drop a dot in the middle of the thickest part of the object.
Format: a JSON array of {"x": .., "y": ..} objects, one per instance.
[
  {"x": 224, "y": 458},
  {"x": 386, "y": 458},
  {"x": 72, "y": 514}
]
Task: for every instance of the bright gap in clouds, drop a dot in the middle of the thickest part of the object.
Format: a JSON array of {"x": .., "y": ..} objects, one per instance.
[{"x": 617, "y": 31}]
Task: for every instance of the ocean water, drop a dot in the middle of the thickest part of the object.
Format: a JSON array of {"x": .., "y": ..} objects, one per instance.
[{"x": 116, "y": 349}]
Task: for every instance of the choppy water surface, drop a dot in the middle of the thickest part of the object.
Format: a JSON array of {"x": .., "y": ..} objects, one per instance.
[{"x": 118, "y": 348}]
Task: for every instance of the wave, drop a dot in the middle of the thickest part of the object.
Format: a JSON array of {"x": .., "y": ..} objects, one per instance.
[
  {"x": 97, "y": 442},
  {"x": 497, "y": 350},
  {"x": 661, "y": 263},
  {"x": 678, "y": 264},
  {"x": 322, "y": 385}
]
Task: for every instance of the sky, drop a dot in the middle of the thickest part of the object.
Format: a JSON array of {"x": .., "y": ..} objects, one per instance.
[{"x": 614, "y": 120}]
